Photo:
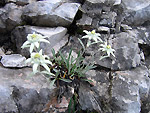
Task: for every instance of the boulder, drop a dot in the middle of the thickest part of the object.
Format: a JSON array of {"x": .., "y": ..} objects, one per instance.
[
  {"x": 129, "y": 89},
  {"x": 56, "y": 36},
  {"x": 96, "y": 97},
  {"x": 136, "y": 12},
  {"x": 10, "y": 17},
  {"x": 46, "y": 13},
  {"x": 119, "y": 92},
  {"x": 13, "y": 60},
  {"x": 19, "y": 93},
  {"x": 7, "y": 104}
]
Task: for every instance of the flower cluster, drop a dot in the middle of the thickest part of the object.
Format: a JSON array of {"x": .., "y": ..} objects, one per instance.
[
  {"x": 33, "y": 40},
  {"x": 37, "y": 59},
  {"x": 93, "y": 38}
]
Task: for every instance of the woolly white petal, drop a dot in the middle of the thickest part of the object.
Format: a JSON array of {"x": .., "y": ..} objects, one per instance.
[
  {"x": 31, "y": 47},
  {"x": 35, "y": 66}
]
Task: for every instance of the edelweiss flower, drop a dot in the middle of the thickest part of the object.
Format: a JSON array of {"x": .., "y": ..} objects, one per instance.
[
  {"x": 106, "y": 48},
  {"x": 38, "y": 59},
  {"x": 33, "y": 41},
  {"x": 92, "y": 36}
]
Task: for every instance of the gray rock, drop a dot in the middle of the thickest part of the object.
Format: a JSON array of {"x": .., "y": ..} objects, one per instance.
[
  {"x": 136, "y": 11},
  {"x": 85, "y": 21},
  {"x": 103, "y": 29},
  {"x": 118, "y": 92},
  {"x": 45, "y": 13},
  {"x": 13, "y": 60},
  {"x": 129, "y": 89},
  {"x": 88, "y": 100},
  {"x": 108, "y": 19},
  {"x": 20, "y": 2},
  {"x": 7, "y": 104},
  {"x": 10, "y": 17},
  {"x": 19, "y": 92},
  {"x": 99, "y": 95},
  {"x": 57, "y": 37}
]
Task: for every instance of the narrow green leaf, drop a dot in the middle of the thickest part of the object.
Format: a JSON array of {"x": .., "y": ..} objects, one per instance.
[
  {"x": 65, "y": 80},
  {"x": 87, "y": 80},
  {"x": 82, "y": 44}
]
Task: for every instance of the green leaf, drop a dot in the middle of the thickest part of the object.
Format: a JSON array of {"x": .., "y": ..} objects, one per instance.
[
  {"x": 68, "y": 60},
  {"x": 87, "y": 80},
  {"x": 63, "y": 57},
  {"x": 82, "y": 44},
  {"x": 65, "y": 80}
]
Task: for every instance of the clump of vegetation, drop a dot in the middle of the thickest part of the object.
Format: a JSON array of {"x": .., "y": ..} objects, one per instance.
[{"x": 63, "y": 69}]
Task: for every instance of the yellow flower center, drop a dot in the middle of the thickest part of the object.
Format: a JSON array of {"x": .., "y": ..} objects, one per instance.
[
  {"x": 108, "y": 47},
  {"x": 37, "y": 55},
  {"x": 93, "y": 32},
  {"x": 34, "y": 36}
]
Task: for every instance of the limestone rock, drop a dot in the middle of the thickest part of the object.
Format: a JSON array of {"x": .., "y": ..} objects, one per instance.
[
  {"x": 44, "y": 13},
  {"x": 10, "y": 17},
  {"x": 13, "y": 60},
  {"x": 136, "y": 11},
  {"x": 6, "y": 102},
  {"x": 129, "y": 88},
  {"x": 18, "y": 91}
]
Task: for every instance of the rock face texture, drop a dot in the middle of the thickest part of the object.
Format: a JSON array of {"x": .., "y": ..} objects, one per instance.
[
  {"x": 13, "y": 60},
  {"x": 44, "y": 13},
  {"x": 120, "y": 84},
  {"x": 10, "y": 17}
]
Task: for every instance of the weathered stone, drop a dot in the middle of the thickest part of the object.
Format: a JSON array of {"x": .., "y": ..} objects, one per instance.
[
  {"x": 56, "y": 36},
  {"x": 85, "y": 21},
  {"x": 20, "y": 2},
  {"x": 10, "y": 17},
  {"x": 136, "y": 11},
  {"x": 7, "y": 105},
  {"x": 88, "y": 100},
  {"x": 24, "y": 94},
  {"x": 108, "y": 19},
  {"x": 45, "y": 13},
  {"x": 96, "y": 97},
  {"x": 13, "y": 60},
  {"x": 129, "y": 88},
  {"x": 103, "y": 29}
]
